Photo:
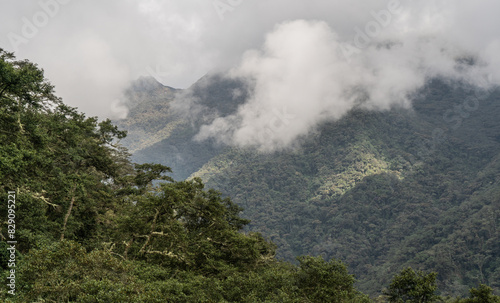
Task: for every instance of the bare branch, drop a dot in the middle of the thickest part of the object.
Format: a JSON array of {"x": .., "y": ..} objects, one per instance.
[
  {"x": 67, "y": 216},
  {"x": 127, "y": 246},
  {"x": 148, "y": 237},
  {"x": 41, "y": 197}
]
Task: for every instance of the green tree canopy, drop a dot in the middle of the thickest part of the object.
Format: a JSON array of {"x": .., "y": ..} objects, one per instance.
[{"x": 411, "y": 286}]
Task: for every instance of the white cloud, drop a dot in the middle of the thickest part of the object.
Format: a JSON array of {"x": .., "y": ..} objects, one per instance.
[
  {"x": 91, "y": 49},
  {"x": 304, "y": 69}
]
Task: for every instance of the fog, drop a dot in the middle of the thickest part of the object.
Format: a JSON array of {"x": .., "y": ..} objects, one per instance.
[{"x": 309, "y": 61}]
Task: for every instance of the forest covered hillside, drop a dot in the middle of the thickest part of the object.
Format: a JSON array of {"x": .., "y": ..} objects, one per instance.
[
  {"x": 380, "y": 190},
  {"x": 343, "y": 151},
  {"x": 162, "y": 121},
  {"x": 82, "y": 223}
]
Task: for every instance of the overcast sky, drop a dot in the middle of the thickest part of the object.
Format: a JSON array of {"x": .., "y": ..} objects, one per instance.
[{"x": 91, "y": 50}]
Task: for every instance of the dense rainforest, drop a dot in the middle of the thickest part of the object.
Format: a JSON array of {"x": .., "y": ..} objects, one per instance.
[
  {"x": 380, "y": 190},
  {"x": 82, "y": 223}
]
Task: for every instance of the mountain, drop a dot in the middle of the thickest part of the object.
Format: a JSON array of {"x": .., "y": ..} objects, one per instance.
[
  {"x": 161, "y": 131},
  {"x": 380, "y": 190},
  {"x": 85, "y": 224}
]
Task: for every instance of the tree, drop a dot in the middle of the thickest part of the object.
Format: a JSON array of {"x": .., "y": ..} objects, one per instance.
[
  {"x": 62, "y": 165},
  {"x": 482, "y": 294},
  {"x": 322, "y": 281},
  {"x": 411, "y": 286},
  {"x": 182, "y": 225},
  {"x": 65, "y": 272},
  {"x": 23, "y": 87},
  {"x": 96, "y": 228}
]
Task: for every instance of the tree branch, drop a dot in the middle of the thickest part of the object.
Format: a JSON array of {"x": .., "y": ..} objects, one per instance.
[
  {"x": 4, "y": 89},
  {"x": 148, "y": 237},
  {"x": 67, "y": 216},
  {"x": 127, "y": 246},
  {"x": 41, "y": 197}
]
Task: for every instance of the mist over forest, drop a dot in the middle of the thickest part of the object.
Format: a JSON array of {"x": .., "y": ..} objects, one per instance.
[{"x": 167, "y": 151}]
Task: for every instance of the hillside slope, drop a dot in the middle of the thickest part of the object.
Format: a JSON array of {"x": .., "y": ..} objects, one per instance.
[
  {"x": 161, "y": 130},
  {"x": 379, "y": 190}
]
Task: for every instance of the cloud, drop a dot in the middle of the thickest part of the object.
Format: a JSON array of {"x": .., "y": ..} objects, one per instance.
[
  {"x": 296, "y": 83},
  {"x": 305, "y": 74},
  {"x": 91, "y": 49}
]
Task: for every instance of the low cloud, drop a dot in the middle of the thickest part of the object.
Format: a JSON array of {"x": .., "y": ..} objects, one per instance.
[
  {"x": 305, "y": 74},
  {"x": 91, "y": 50}
]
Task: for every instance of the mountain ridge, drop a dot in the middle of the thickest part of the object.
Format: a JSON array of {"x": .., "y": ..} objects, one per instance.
[{"x": 378, "y": 190}]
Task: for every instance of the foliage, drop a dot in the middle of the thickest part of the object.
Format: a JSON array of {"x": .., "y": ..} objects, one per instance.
[
  {"x": 411, "y": 286},
  {"x": 65, "y": 272},
  {"x": 326, "y": 281},
  {"x": 94, "y": 227},
  {"x": 482, "y": 294},
  {"x": 378, "y": 190}
]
